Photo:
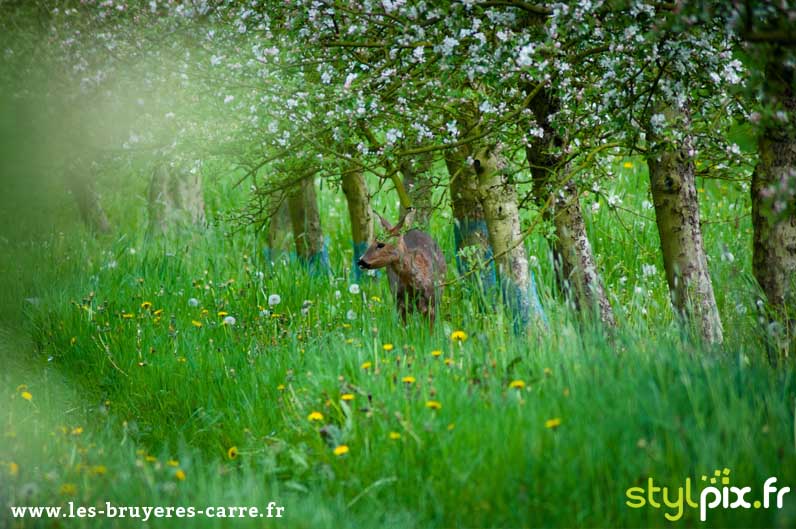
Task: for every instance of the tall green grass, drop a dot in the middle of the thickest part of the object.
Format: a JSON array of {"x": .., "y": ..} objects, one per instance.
[{"x": 131, "y": 382}]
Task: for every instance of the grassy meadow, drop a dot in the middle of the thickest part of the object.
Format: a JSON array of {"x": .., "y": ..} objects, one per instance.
[{"x": 122, "y": 383}]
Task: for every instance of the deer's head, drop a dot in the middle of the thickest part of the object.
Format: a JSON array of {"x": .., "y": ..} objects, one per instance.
[{"x": 388, "y": 249}]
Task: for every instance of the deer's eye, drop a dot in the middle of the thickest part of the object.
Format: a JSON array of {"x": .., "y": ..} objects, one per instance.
[{"x": 380, "y": 245}]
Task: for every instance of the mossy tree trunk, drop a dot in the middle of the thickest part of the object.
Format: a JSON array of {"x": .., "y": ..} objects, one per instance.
[
  {"x": 359, "y": 211},
  {"x": 306, "y": 220},
  {"x": 469, "y": 224},
  {"x": 673, "y": 185},
  {"x": 498, "y": 198},
  {"x": 279, "y": 229},
  {"x": 88, "y": 200},
  {"x": 175, "y": 198},
  {"x": 420, "y": 187},
  {"x": 573, "y": 258},
  {"x": 774, "y": 202}
]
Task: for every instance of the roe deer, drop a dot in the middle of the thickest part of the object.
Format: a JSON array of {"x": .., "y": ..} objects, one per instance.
[{"x": 415, "y": 267}]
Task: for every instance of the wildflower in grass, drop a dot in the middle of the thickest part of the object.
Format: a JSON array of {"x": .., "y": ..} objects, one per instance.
[
  {"x": 146, "y": 305},
  {"x": 22, "y": 387},
  {"x": 388, "y": 347},
  {"x": 68, "y": 489},
  {"x": 628, "y": 165},
  {"x": 150, "y": 459},
  {"x": 196, "y": 323},
  {"x": 77, "y": 430},
  {"x": 13, "y": 469},
  {"x": 433, "y": 404},
  {"x": 395, "y": 436},
  {"x": 341, "y": 450},
  {"x": 377, "y": 299},
  {"x": 173, "y": 463},
  {"x": 552, "y": 424},
  {"x": 99, "y": 470},
  {"x": 228, "y": 320},
  {"x": 649, "y": 270},
  {"x": 128, "y": 316},
  {"x": 408, "y": 380},
  {"x": 451, "y": 426},
  {"x": 449, "y": 361},
  {"x": 222, "y": 313},
  {"x": 548, "y": 372},
  {"x": 158, "y": 312},
  {"x": 353, "y": 288},
  {"x": 180, "y": 474},
  {"x": 204, "y": 312},
  {"x": 73, "y": 340},
  {"x": 232, "y": 453},
  {"x": 458, "y": 336},
  {"x": 193, "y": 302},
  {"x": 274, "y": 300},
  {"x": 349, "y": 341},
  {"x": 517, "y": 384},
  {"x": 280, "y": 387},
  {"x": 367, "y": 365},
  {"x": 436, "y": 352},
  {"x": 315, "y": 416},
  {"x": 337, "y": 294},
  {"x": 264, "y": 313},
  {"x": 347, "y": 396},
  {"x": 182, "y": 359},
  {"x": 351, "y": 315},
  {"x": 26, "y": 395}
]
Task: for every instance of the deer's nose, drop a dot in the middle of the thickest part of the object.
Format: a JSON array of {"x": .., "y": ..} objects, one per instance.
[{"x": 362, "y": 264}]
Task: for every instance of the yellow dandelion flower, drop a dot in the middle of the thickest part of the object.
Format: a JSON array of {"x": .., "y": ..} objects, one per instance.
[
  {"x": 99, "y": 470},
  {"x": 433, "y": 404},
  {"x": 349, "y": 341},
  {"x": 451, "y": 426},
  {"x": 13, "y": 469},
  {"x": 173, "y": 463},
  {"x": 68, "y": 489},
  {"x": 552, "y": 423},
  {"x": 26, "y": 395},
  {"x": 388, "y": 347},
  {"x": 347, "y": 396},
  {"x": 517, "y": 384},
  {"x": 128, "y": 316},
  {"x": 280, "y": 387},
  {"x": 139, "y": 452},
  {"x": 73, "y": 340},
  {"x": 232, "y": 453},
  {"x": 458, "y": 336},
  {"x": 150, "y": 459},
  {"x": 77, "y": 430},
  {"x": 628, "y": 165},
  {"x": 182, "y": 359},
  {"x": 395, "y": 436},
  {"x": 204, "y": 312},
  {"x": 436, "y": 353},
  {"x": 146, "y": 305},
  {"x": 367, "y": 365},
  {"x": 449, "y": 361},
  {"x": 315, "y": 416},
  {"x": 341, "y": 450},
  {"x": 222, "y": 313},
  {"x": 408, "y": 380},
  {"x": 180, "y": 474},
  {"x": 196, "y": 323},
  {"x": 548, "y": 371},
  {"x": 158, "y": 312},
  {"x": 377, "y": 299}
]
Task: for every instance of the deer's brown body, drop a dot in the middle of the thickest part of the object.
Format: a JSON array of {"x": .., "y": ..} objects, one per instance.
[{"x": 415, "y": 268}]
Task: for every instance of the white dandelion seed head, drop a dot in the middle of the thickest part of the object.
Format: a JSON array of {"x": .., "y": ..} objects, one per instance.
[{"x": 274, "y": 300}]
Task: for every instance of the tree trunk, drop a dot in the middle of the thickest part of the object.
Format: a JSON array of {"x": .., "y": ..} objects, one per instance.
[
  {"x": 774, "y": 202},
  {"x": 306, "y": 220},
  {"x": 674, "y": 194},
  {"x": 88, "y": 202},
  {"x": 279, "y": 230},
  {"x": 420, "y": 188},
  {"x": 498, "y": 197},
  {"x": 469, "y": 227},
  {"x": 356, "y": 193},
  {"x": 175, "y": 199},
  {"x": 573, "y": 259}
]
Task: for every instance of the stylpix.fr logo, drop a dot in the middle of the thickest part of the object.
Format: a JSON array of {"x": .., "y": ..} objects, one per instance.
[{"x": 716, "y": 493}]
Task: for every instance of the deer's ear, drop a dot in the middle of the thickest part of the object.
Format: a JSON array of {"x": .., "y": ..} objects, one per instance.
[
  {"x": 406, "y": 220},
  {"x": 386, "y": 225}
]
